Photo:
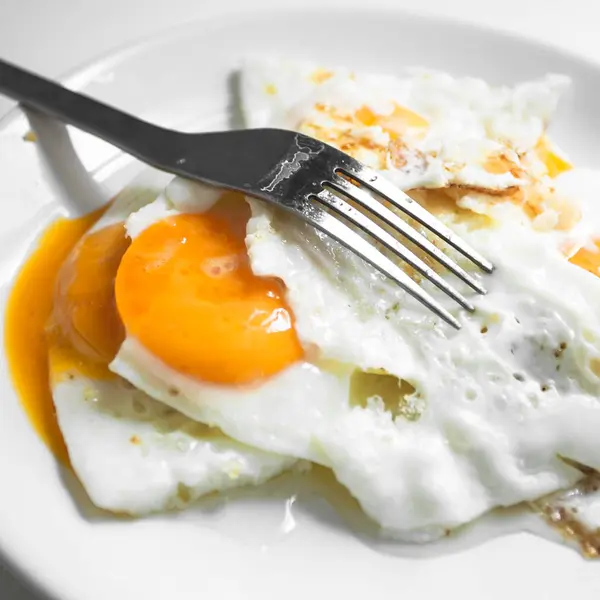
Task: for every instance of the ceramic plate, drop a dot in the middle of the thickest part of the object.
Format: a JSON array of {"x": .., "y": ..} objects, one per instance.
[{"x": 279, "y": 541}]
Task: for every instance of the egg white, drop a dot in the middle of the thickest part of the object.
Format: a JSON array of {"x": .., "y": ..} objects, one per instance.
[{"x": 133, "y": 454}]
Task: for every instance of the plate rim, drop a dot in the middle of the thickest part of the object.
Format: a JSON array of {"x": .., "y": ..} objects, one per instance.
[{"x": 76, "y": 76}]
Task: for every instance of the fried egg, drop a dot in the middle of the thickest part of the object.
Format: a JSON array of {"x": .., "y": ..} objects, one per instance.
[
  {"x": 203, "y": 324},
  {"x": 427, "y": 427},
  {"x": 487, "y": 147},
  {"x": 131, "y": 453},
  {"x": 200, "y": 341},
  {"x": 425, "y": 128}
]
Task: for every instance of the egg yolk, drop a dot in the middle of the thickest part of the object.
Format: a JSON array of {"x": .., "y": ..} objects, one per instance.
[
  {"x": 85, "y": 331},
  {"x": 588, "y": 259},
  {"x": 555, "y": 164},
  {"x": 186, "y": 291},
  {"x": 28, "y": 310},
  {"x": 85, "y": 310}
]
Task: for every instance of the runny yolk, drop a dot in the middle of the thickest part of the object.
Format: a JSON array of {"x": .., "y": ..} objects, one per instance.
[
  {"x": 186, "y": 291},
  {"x": 85, "y": 331},
  {"x": 28, "y": 310}
]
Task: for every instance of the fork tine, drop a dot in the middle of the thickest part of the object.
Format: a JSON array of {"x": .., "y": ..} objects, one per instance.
[
  {"x": 399, "y": 199},
  {"x": 373, "y": 205},
  {"x": 382, "y": 236},
  {"x": 345, "y": 235}
]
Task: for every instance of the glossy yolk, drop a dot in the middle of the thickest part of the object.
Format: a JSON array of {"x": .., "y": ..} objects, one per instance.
[
  {"x": 85, "y": 331},
  {"x": 28, "y": 310},
  {"x": 186, "y": 291}
]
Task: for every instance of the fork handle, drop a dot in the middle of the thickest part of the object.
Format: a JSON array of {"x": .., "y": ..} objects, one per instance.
[{"x": 139, "y": 138}]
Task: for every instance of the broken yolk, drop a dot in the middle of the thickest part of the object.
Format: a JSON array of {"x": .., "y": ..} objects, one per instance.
[
  {"x": 588, "y": 259},
  {"x": 85, "y": 331},
  {"x": 28, "y": 311},
  {"x": 186, "y": 292}
]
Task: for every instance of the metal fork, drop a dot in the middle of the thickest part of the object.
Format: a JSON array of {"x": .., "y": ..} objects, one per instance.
[{"x": 319, "y": 183}]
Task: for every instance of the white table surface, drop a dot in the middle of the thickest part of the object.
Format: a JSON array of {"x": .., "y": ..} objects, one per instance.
[{"x": 29, "y": 36}]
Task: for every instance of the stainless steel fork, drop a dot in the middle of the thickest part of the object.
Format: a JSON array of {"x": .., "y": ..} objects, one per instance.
[{"x": 319, "y": 183}]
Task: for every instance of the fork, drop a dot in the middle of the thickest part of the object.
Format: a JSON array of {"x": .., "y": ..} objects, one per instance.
[{"x": 324, "y": 186}]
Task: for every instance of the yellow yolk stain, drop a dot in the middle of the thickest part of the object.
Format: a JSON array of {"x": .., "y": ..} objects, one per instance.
[
  {"x": 499, "y": 163},
  {"x": 366, "y": 116},
  {"x": 588, "y": 259},
  {"x": 343, "y": 130},
  {"x": 320, "y": 76},
  {"x": 554, "y": 163},
  {"x": 61, "y": 318},
  {"x": 185, "y": 290},
  {"x": 399, "y": 120},
  {"x": 27, "y": 313}
]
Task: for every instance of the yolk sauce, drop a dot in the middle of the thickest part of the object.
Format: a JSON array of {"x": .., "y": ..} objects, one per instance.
[{"x": 28, "y": 312}]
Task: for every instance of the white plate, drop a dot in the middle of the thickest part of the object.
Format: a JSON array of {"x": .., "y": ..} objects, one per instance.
[{"x": 240, "y": 548}]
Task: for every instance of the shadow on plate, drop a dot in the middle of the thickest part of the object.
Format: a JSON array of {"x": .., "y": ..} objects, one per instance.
[
  {"x": 79, "y": 191},
  {"x": 234, "y": 109},
  {"x": 296, "y": 499}
]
